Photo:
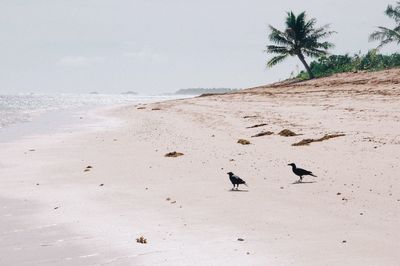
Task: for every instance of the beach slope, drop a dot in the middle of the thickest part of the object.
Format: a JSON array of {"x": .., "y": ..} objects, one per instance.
[{"x": 84, "y": 198}]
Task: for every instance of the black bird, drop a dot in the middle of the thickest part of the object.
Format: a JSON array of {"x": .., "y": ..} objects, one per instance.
[
  {"x": 300, "y": 172},
  {"x": 236, "y": 181}
]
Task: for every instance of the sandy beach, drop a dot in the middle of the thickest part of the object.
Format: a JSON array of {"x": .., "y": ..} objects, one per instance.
[{"x": 55, "y": 210}]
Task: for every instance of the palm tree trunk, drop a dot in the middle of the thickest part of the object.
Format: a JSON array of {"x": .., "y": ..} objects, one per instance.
[{"x": 301, "y": 57}]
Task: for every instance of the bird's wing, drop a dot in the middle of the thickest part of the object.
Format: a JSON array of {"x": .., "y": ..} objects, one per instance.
[
  {"x": 303, "y": 171},
  {"x": 236, "y": 177},
  {"x": 239, "y": 180}
]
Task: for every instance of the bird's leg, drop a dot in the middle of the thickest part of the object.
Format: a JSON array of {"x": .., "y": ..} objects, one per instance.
[
  {"x": 237, "y": 187},
  {"x": 301, "y": 179}
]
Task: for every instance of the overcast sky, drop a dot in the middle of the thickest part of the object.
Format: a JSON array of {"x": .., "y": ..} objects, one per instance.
[{"x": 154, "y": 46}]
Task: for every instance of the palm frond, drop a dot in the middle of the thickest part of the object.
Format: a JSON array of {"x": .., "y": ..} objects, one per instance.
[
  {"x": 276, "y": 59},
  {"x": 316, "y": 53},
  {"x": 393, "y": 12},
  {"x": 278, "y": 37},
  {"x": 384, "y": 34},
  {"x": 272, "y": 49},
  {"x": 322, "y": 32}
]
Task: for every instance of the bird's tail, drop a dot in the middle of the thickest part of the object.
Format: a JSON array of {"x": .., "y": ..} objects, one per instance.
[
  {"x": 245, "y": 184},
  {"x": 311, "y": 174}
]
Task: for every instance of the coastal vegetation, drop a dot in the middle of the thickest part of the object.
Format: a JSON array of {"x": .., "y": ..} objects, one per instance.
[
  {"x": 371, "y": 61},
  {"x": 302, "y": 38}
]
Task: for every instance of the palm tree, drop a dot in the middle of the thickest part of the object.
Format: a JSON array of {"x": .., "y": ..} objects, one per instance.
[
  {"x": 386, "y": 35},
  {"x": 300, "y": 39}
]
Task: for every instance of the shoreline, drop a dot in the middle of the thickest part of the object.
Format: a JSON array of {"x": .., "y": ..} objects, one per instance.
[
  {"x": 41, "y": 115},
  {"x": 184, "y": 207}
]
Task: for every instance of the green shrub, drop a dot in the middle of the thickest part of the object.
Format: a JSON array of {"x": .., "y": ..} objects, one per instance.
[{"x": 372, "y": 61}]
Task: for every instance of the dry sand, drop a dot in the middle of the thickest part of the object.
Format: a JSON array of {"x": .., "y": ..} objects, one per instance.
[{"x": 53, "y": 212}]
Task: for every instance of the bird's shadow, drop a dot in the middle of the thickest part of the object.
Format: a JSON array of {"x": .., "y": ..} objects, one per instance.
[
  {"x": 240, "y": 190},
  {"x": 303, "y": 182}
]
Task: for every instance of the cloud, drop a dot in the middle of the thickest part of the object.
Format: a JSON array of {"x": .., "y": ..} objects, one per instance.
[
  {"x": 80, "y": 61},
  {"x": 145, "y": 55}
]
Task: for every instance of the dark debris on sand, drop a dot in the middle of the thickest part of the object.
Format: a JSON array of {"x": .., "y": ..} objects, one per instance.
[
  {"x": 258, "y": 125},
  {"x": 287, "y": 133},
  {"x": 250, "y": 116},
  {"x": 264, "y": 133},
  {"x": 141, "y": 240},
  {"x": 244, "y": 142},
  {"x": 306, "y": 142},
  {"x": 173, "y": 154},
  {"x": 87, "y": 169}
]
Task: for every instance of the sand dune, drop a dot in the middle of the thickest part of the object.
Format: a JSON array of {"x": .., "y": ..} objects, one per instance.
[{"x": 56, "y": 213}]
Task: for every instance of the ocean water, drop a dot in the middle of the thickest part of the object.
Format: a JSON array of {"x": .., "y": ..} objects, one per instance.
[{"x": 20, "y": 108}]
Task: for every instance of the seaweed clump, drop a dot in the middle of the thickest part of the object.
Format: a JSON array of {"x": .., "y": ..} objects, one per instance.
[
  {"x": 264, "y": 133},
  {"x": 258, "y": 125},
  {"x": 243, "y": 142},
  {"x": 306, "y": 142},
  {"x": 173, "y": 154},
  {"x": 287, "y": 133}
]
